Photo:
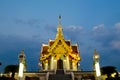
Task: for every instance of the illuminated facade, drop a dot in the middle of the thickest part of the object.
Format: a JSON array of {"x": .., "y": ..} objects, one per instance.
[
  {"x": 60, "y": 53},
  {"x": 59, "y": 60}
]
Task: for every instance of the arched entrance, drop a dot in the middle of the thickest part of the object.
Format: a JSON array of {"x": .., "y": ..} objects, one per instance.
[{"x": 60, "y": 64}]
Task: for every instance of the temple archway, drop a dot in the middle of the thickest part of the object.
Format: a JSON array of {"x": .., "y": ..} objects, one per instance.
[{"x": 60, "y": 64}]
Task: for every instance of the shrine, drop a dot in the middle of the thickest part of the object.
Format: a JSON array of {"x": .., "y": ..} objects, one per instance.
[
  {"x": 59, "y": 60},
  {"x": 60, "y": 53}
]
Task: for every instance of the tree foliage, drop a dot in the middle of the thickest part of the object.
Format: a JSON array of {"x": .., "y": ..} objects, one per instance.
[
  {"x": 108, "y": 70},
  {"x": 11, "y": 68}
]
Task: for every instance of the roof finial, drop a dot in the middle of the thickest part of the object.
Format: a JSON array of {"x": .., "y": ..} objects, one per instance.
[
  {"x": 59, "y": 16},
  {"x": 59, "y": 29},
  {"x": 59, "y": 19}
]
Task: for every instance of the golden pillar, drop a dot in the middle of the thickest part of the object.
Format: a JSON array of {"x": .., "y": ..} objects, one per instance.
[
  {"x": 46, "y": 65},
  {"x": 74, "y": 65},
  {"x": 67, "y": 63},
  {"x": 55, "y": 64},
  {"x": 52, "y": 63}
]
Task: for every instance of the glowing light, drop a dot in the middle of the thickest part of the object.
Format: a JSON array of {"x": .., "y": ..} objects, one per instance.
[
  {"x": 113, "y": 75},
  {"x": 64, "y": 60},
  {"x": 55, "y": 60},
  {"x": 21, "y": 67},
  {"x": 10, "y": 74},
  {"x": 78, "y": 64},
  {"x": 1, "y": 74},
  {"x": 97, "y": 68}
]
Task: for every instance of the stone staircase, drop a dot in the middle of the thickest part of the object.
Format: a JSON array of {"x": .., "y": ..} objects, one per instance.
[{"x": 60, "y": 75}]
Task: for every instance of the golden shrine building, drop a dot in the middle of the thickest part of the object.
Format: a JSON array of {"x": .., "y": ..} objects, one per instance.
[
  {"x": 60, "y": 53},
  {"x": 59, "y": 60}
]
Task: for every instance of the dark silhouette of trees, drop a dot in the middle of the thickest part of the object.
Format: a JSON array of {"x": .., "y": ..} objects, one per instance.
[
  {"x": 0, "y": 63},
  {"x": 108, "y": 70},
  {"x": 6, "y": 78},
  {"x": 11, "y": 68}
]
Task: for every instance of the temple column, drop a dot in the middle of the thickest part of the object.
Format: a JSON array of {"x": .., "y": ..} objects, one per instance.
[
  {"x": 55, "y": 64},
  {"x": 52, "y": 63},
  {"x": 64, "y": 64},
  {"x": 46, "y": 65},
  {"x": 67, "y": 63},
  {"x": 74, "y": 65}
]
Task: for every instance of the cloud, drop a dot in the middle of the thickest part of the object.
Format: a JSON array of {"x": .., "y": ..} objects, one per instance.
[
  {"x": 107, "y": 36},
  {"x": 102, "y": 34},
  {"x": 71, "y": 31},
  {"x": 117, "y": 28},
  {"x": 99, "y": 27},
  {"x": 117, "y": 25},
  {"x": 100, "y": 30},
  {"x": 115, "y": 44},
  {"x": 29, "y": 22},
  {"x": 68, "y": 31},
  {"x": 109, "y": 40},
  {"x": 74, "y": 28}
]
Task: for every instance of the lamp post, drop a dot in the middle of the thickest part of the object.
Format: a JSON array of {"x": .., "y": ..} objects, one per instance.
[
  {"x": 22, "y": 64},
  {"x": 96, "y": 58},
  {"x": 21, "y": 68}
]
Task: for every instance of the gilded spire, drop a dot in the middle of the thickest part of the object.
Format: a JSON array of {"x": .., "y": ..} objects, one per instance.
[{"x": 59, "y": 29}]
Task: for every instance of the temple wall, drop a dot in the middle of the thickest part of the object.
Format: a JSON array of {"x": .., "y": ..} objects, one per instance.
[{"x": 43, "y": 75}]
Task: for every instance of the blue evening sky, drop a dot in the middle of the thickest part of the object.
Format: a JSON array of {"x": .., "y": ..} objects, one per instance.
[{"x": 93, "y": 24}]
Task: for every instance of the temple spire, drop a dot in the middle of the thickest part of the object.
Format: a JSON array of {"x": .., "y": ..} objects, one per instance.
[
  {"x": 59, "y": 28},
  {"x": 59, "y": 19}
]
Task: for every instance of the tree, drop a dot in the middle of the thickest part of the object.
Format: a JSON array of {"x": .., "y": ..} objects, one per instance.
[
  {"x": 11, "y": 68},
  {"x": 108, "y": 70},
  {"x": 0, "y": 63}
]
